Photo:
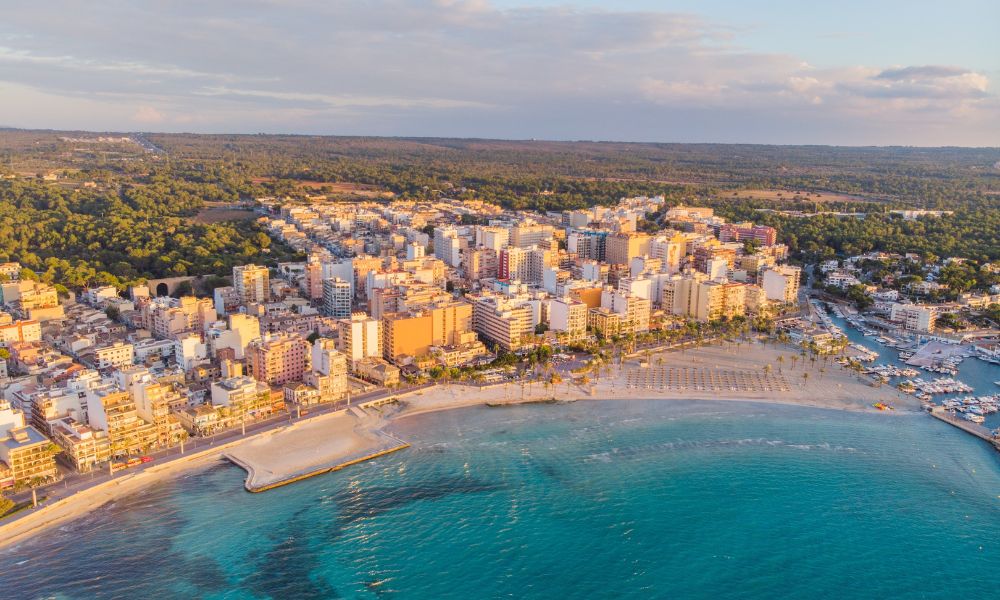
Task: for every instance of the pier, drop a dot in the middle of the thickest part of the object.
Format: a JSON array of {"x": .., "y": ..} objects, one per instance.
[{"x": 979, "y": 431}]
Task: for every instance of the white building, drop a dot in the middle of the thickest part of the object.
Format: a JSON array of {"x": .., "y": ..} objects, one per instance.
[
  {"x": 115, "y": 356},
  {"x": 359, "y": 337},
  {"x": 190, "y": 350},
  {"x": 414, "y": 251},
  {"x": 336, "y": 298},
  {"x": 781, "y": 283},
  {"x": 448, "y": 246},
  {"x": 568, "y": 317},
  {"x": 913, "y": 317}
]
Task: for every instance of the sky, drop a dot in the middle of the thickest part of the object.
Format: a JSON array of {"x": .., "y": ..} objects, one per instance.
[{"x": 851, "y": 72}]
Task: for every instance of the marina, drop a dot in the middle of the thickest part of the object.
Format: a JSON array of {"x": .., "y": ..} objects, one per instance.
[{"x": 966, "y": 392}]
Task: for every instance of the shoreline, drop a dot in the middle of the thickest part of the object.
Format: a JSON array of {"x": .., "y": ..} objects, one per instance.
[
  {"x": 441, "y": 398},
  {"x": 407, "y": 412}
]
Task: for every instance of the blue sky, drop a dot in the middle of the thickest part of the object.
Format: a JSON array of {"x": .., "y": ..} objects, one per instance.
[
  {"x": 849, "y": 72},
  {"x": 965, "y": 32}
]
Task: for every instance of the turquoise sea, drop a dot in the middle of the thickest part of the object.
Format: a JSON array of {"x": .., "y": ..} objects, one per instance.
[{"x": 643, "y": 499}]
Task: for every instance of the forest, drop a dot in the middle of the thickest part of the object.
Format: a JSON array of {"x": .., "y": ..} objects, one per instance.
[
  {"x": 135, "y": 221},
  {"x": 85, "y": 237}
]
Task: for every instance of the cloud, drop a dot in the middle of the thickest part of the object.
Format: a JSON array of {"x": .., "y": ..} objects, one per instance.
[
  {"x": 921, "y": 73},
  {"x": 148, "y": 114},
  {"x": 462, "y": 67},
  {"x": 928, "y": 82}
]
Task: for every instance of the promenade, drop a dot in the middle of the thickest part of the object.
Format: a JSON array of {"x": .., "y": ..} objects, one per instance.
[{"x": 78, "y": 494}]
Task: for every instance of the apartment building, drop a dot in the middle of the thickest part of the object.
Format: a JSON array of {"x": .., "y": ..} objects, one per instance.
[
  {"x": 113, "y": 411},
  {"x": 28, "y": 455},
  {"x": 84, "y": 447},
  {"x": 313, "y": 280},
  {"x": 503, "y": 322},
  {"x": 240, "y": 398},
  {"x": 412, "y": 334},
  {"x": 279, "y": 358},
  {"x": 115, "y": 356},
  {"x": 914, "y": 317},
  {"x": 712, "y": 250},
  {"x": 448, "y": 246},
  {"x": 568, "y": 318},
  {"x": 739, "y": 232},
  {"x": 623, "y": 247},
  {"x": 336, "y": 298},
  {"x": 480, "y": 263},
  {"x": 715, "y": 300},
  {"x": 359, "y": 337},
  {"x": 781, "y": 283},
  {"x": 588, "y": 243},
  {"x": 20, "y": 331},
  {"x": 252, "y": 283},
  {"x": 328, "y": 375},
  {"x": 169, "y": 318},
  {"x": 528, "y": 234},
  {"x": 634, "y": 310},
  {"x": 670, "y": 250},
  {"x": 493, "y": 238}
]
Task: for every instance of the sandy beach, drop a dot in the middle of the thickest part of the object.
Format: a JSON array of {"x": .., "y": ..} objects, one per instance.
[
  {"x": 827, "y": 385},
  {"x": 335, "y": 440}
]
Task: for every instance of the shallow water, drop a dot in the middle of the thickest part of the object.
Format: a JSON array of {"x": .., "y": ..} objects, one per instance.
[{"x": 595, "y": 499}]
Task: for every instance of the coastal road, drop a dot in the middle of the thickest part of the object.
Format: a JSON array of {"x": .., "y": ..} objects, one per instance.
[{"x": 72, "y": 484}]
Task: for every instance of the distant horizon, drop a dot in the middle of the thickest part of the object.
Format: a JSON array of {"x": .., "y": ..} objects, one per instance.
[
  {"x": 487, "y": 139},
  {"x": 916, "y": 73}
]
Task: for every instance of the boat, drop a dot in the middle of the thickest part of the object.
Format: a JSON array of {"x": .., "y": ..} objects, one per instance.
[{"x": 882, "y": 406}]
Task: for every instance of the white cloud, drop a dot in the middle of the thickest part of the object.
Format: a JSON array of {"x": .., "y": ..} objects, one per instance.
[
  {"x": 465, "y": 67},
  {"x": 147, "y": 115}
]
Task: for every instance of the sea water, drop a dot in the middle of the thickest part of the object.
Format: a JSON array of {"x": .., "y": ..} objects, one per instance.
[{"x": 596, "y": 499}]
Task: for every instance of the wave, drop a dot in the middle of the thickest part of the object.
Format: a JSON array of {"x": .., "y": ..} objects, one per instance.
[{"x": 634, "y": 451}]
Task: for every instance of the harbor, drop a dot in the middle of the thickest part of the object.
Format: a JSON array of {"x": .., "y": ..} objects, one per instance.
[{"x": 965, "y": 394}]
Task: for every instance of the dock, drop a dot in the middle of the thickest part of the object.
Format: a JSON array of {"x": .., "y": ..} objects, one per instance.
[
  {"x": 933, "y": 353},
  {"x": 969, "y": 427}
]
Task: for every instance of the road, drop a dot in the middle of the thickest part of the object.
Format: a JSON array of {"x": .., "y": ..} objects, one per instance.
[{"x": 72, "y": 484}]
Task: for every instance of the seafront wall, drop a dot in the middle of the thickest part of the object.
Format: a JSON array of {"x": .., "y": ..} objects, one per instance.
[
  {"x": 977, "y": 430},
  {"x": 250, "y": 487}
]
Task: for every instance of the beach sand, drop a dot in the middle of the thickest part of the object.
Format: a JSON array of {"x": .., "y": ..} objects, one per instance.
[
  {"x": 828, "y": 385},
  {"x": 311, "y": 447},
  {"x": 338, "y": 439}
]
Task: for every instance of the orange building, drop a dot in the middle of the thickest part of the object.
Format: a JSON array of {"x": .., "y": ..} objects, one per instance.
[{"x": 590, "y": 296}]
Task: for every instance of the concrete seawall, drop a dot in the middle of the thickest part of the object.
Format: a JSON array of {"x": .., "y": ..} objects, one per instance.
[
  {"x": 967, "y": 426},
  {"x": 328, "y": 443},
  {"x": 251, "y": 474}
]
